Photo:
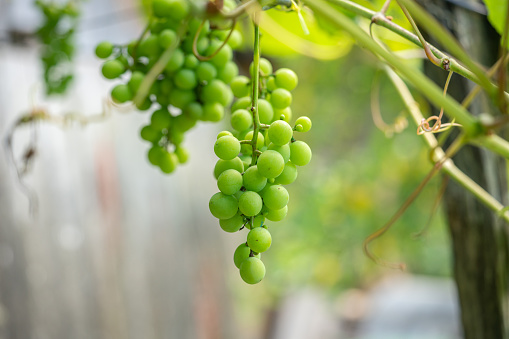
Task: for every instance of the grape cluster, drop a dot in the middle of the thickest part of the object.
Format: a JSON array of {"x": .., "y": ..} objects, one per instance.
[
  {"x": 192, "y": 87},
  {"x": 251, "y": 186}
]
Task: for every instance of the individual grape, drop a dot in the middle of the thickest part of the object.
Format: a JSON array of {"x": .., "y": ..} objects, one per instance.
[
  {"x": 112, "y": 69},
  {"x": 175, "y": 9},
  {"x": 223, "y": 133},
  {"x": 205, "y": 72},
  {"x": 240, "y": 86},
  {"x": 176, "y": 61},
  {"x": 149, "y": 134},
  {"x": 259, "y": 141},
  {"x": 227, "y": 147},
  {"x": 285, "y": 113},
  {"x": 259, "y": 239},
  {"x": 265, "y": 111},
  {"x": 121, "y": 93},
  {"x": 246, "y": 160},
  {"x": 305, "y": 122},
  {"x": 242, "y": 253},
  {"x": 194, "y": 110},
  {"x": 154, "y": 154},
  {"x": 168, "y": 162},
  {"x": 223, "y": 165},
  {"x": 222, "y": 57},
  {"x": 185, "y": 79},
  {"x": 275, "y": 197},
  {"x": 286, "y": 78},
  {"x": 235, "y": 40},
  {"x": 241, "y": 120},
  {"x": 145, "y": 105},
  {"x": 265, "y": 67},
  {"x": 232, "y": 224},
  {"x": 258, "y": 220},
  {"x": 213, "y": 112},
  {"x": 252, "y": 270},
  {"x": 276, "y": 215},
  {"x": 135, "y": 81},
  {"x": 253, "y": 180},
  {"x": 300, "y": 153},
  {"x": 223, "y": 206},
  {"x": 228, "y": 72},
  {"x": 270, "y": 164},
  {"x": 281, "y": 98},
  {"x": 216, "y": 91},
  {"x": 250, "y": 203},
  {"x": 182, "y": 154},
  {"x": 229, "y": 182},
  {"x": 284, "y": 150},
  {"x": 271, "y": 84},
  {"x": 288, "y": 175},
  {"x": 104, "y": 49},
  {"x": 166, "y": 38},
  {"x": 180, "y": 98},
  {"x": 191, "y": 62},
  {"x": 160, "y": 119},
  {"x": 183, "y": 123},
  {"x": 280, "y": 133},
  {"x": 149, "y": 46}
]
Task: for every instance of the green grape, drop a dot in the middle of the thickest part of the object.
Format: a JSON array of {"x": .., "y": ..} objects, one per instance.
[
  {"x": 182, "y": 154},
  {"x": 265, "y": 67},
  {"x": 149, "y": 134},
  {"x": 181, "y": 98},
  {"x": 223, "y": 133},
  {"x": 258, "y": 220},
  {"x": 253, "y": 180},
  {"x": 220, "y": 34},
  {"x": 104, "y": 49},
  {"x": 154, "y": 154},
  {"x": 135, "y": 81},
  {"x": 123, "y": 60},
  {"x": 247, "y": 149},
  {"x": 235, "y": 40},
  {"x": 305, "y": 122},
  {"x": 145, "y": 105},
  {"x": 275, "y": 197},
  {"x": 223, "y": 206},
  {"x": 270, "y": 164},
  {"x": 227, "y": 147},
  {"x": 213, "y": 112},
  {"x": 240, "y": 86},
  {"x": 228, "y": 72},
  {"x": 149, "y": 46},
  {"x": 259, "y": 239},
  {"x": 252, "y": 270},
  {"x": 191, "y": 62},
  {"x": 166, "y": 38},
  {"x": 168, "y": 162},
  {"x": 242, "y": 103},
  {"x": 242, "y": 253},
  {"x": 194, "y": 110},
  {"x": 288, "y": 175},
  {"x": 265, "y": 111},
  {"x": 160, "y": 119},
  {"x": 165, "y": 86},
  {"x": 286, "y": 113},
  {"x": 280, "y": 133},
  {"x": 205, "y": 72},
  {"x": 183, "y": 123},
  {"x": 185, "y": 79},
  {"x": 215, "y": 91},
  {"x": 175, "y": 9},
  {"x": 281, "y": 98},
  {"x": 175, "y": 136},
  {"x": 222, "y": 57},
  {"x": 241, "y": 120},
  {"x": 201, "y": 45},
  {"x": 232, "y": 224},
  {"x": 121, "y": 93},
  {"x": 112, "y": 69},
  {"x": 286, "y": 78},
  {"x": 277, "y": 215},
  {"x": 229, "y": 182},
  {"x": 161, "y": 8},
  {"x": 246, "y": 160},
  {"x": 223, "y": 165},
  {"x": 250, "y": 203},
  {"x": 284, "y": 150},
  {"x": 176, "y": 61},
  {"x": 300, "y": 153},
  {"x": 195, "y": 23}
]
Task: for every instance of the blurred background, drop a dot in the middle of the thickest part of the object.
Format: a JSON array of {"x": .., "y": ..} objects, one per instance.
[{"x": 117, "y": 249}]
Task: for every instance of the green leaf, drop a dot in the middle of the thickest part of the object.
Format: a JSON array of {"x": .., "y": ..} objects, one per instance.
[{"x": 497, "y": 11}]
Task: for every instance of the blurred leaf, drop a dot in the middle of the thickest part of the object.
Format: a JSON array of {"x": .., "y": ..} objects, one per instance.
[{"x": 497, "y": 10}]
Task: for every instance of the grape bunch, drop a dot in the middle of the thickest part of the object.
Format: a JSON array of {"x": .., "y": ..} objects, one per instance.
[
  {"x": 251, "y": 178},
  {"x": 192, "y": 87}
]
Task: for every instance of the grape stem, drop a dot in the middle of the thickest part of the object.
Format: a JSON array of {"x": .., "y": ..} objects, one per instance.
[{"x": 256, "y": 81}]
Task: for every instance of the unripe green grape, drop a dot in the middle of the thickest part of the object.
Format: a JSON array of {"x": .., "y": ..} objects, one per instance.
[
  {"x": 281, "y": 98},
  {"x": 156, "y": 27},
  {"x": 250, "y": 203},
  {"x": 253, "y": 180},
  {"x": 216, "y": 91},
  {"x": 222, "y": 57},
  {"x": 194, "y": 110},
  {"x": 166, "y": 38},
  {"x": 168, "y": 162},
  {"x": 258, "y": 221},
  {"x": 241, "y": 253},
  {"x": 223, "y": 165},
  {"x": 149, "y": 134},
  {"x": 242, "y": 103},
  {"x": 284, "y": 150},
  {"x": 175, "y": 9},
  {"x": 121, "y": 93},
  {"x": 270, "y": 164},
  {"x": 220, "y": 34},
  {"x": 154, "y": 154},
  {"x": 135, "y": 81},
  {"x": 112, "y": 69},
  {"x": 181, "y": 98},
  {"x": 123, "y": 60},
  {"x": 160, "y": 119},
  {"x": 280, "y": 132},
  {"x": 252, "y": 270},
  {"x": 223, "y": 133},
  {"x": 271, "y": 84},
  {"x": 288, "y": 175},
  {"x": 240, "y": 86},
  {"x": 227, "y": 147},
  {"x": 191, "y": 62},
  {"x": 194, "y": 25},
  {"x": 228, "y": 72},
  {"x": 201, "y": 45},
  {"x": 185, "y": 79},
  {"x": 259, "y": 239},
  {"x": 265, "y": 67},
  {"x": 246, "y": 160},
  {"x": 213, "y": 112},
  {"x": 182, "y": 154},
  {"x": 104, "y": 49},
  {"x": 275, "y": 197},
  {"x": 145, "y": 105},
  {"x": 205, "y": 72},
  {"x": 248, "y": 148},
  {"x": 149, "y": 46},
  {"x": 223, "y": 206},
  {"x": 229, "y": 182},
  {"x": 276, "y": 215},
  {"x": 241, "y": 120},
  {"x": 183, "y": 123},
  {"x": 176, "y": 61},
  {"x": 175, "y": 136},
  {"x": 235, "y": 40},
  {"x": 161, "y": 8},
  {"x": 165, "y": 86},
  {"x": 267, "y": 139},
  {"x": 300, "y": 153},
  {"x": 265, "y": 111},
  {"x": 286, "y": 78},
  {"x": 286, "y": 113},
  {"x": 305, "y": 122},
  {"x": 233, "y": 224}
]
